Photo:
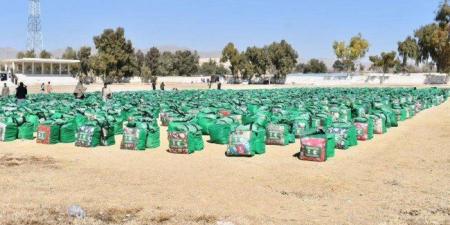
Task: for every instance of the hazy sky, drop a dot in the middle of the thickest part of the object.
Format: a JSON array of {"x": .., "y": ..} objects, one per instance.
[{"x": 207, "y": 25}]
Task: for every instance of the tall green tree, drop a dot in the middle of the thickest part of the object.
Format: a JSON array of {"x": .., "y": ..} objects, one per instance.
[
  {"x": 27, "y": 54},
  {"x": 166, "y": 65},
  {"x": 349, "y": 54},
  {"x": 116, "y": 53},
  {"x": 386, "y": 61},
  {"x": 283, "y": 58},
  {"x": 69, "y": 53},
  {"x": 313, "y": 66},
  {"x": 152, "y": 60},
  {"x": 259, "y": 60},
  {"x": 140, "y": 61},
  {"x": 186, "y": 63},
  {"x": 45, "y": 55},
  {"x": 84, "y": 55},
  {"x": 231, "y": 54},
  {"x": 246, "y": 68},
  {"x": 211, "y": 68},
  {"x": 434, "y": 40},
  {"x": 409, "y": 49}
]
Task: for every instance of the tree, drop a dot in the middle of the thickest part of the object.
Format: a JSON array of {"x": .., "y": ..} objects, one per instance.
[
  {"x": 146, "y": 74},
  {"x": 211, "y": 68},
  {"x": 409, "y": 49},
  {"x": 315, "y": 66},
  {"x": 258, "y": 58},
  {"x": 386, "y": 61},
  {"x": 283, "y": 58},
  {"x": 166, "y": 65},
  {"x": 231, "y": 54},
  {"x": 115, "y": 55},
  {"x": 339, "y": 66},
  {"x": 69, "y": 53},
  {"x": 348, "y": 54},
  {"x": 434, "y": 40},
  {"x": 186, "y": 63},
  {"x": 45, "y": 55},
  {"x": 246, "y": 68},
  {"x": 151, "y": 60},
  {"x": 84, "y": 55},
  {"x": 27, "y": 54},
  {"x": 140, "y": 61}
]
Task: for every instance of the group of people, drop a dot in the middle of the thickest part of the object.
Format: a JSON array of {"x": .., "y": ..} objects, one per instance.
[
  {"x": 21, "y": 92},
  {"x": 161, "y": 86},
  {"x": 46, "y": 88}
]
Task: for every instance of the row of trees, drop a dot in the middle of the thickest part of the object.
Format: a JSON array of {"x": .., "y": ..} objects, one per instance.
[
  {"x": 116, "y": 57},
  {"x": 278, "y": 58},
  {"x": 429, "y": 45}
]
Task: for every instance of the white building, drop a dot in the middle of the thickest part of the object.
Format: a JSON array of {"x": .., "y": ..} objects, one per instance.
[{"x": 38, "y": 66}]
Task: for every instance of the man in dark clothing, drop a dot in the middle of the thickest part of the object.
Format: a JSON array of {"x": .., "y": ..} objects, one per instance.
[
  {"x": 154, "y": 85},
  {"x": 21, "y": 93},
  {"x": 162, "y": 86},
  {"x": 219, "y": 86}
]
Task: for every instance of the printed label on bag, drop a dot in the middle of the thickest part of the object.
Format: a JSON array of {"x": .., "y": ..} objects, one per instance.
[
  {"x": 130, "y": 138},
  {"x": 378, "y": 126},
  {"x": 2, "y": 131},
  {"x": 275, "y": 134},
  {"x": 362, "y": 131},
  {"x": 313, "y": 149},
  {"x": 43, "y": 135},
  {"x": 340, "y": 136},
  {"x": 178, "y": 142},
  {"x": 239, "y": 144},
  {"x": 84, "y": 136}
]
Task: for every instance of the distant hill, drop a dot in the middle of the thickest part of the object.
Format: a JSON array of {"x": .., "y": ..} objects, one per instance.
[{"x": 8, "y": 53}]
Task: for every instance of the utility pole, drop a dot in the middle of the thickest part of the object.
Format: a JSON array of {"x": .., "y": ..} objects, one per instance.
[{"x": 34, "y": 41}]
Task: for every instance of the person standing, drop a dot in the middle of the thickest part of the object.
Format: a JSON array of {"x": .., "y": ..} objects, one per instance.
[
  {"x": 42, "y": 88},
  {"x": 219, "y": 86},
  {"x": 106, "y": 92},
  {"x": 154, "y": 84},
  {"x": 79, "y": 91},
  {"x": 5, "y": 91},
  {"x": 162, "y": 86},
  {"x": 21, "y": 93},
  {"x": 49, "y": 88}
]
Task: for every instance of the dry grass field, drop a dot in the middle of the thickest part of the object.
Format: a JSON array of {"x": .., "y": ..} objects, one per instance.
[{"x": 402, "y": 177}]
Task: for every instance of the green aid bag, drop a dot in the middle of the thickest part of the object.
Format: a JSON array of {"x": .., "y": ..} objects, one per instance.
[
  {"x": 8, "y": 131},
  {"x": 88, "y": 136},
  {"x": 345, "y": 135},
  {"x": 364, "y": 128},
  {"x": 68, "y": 132},
  {"x": 219, "y": 132},
  {"x": 205, "y": 121},
  {"x": 321, "y": 121},
  {"x": 26, "y": 131},
  {"x": 48, "y": 133},
  {"x": 317, "y": 147},
  {"x": 107, "y": 137},
  {"x": 400, "y": 113},
  {"x": 153, "y": 137},
  {"x": 391, "y": 118},
  {"x": 185, "y": 138},
  {"x": 379, "y": 123},
  {"x": 134, "y": 138},
  {"x": 118, "y": 126},
  {"x": 278, "y": 134},
  {"x": 33, "y": 119},
  {"x": 299, "y": 127},
  {"x": 245, "y": 141}
]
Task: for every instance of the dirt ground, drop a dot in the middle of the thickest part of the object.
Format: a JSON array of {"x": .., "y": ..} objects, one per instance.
[{"x": 402, "y": 177}]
